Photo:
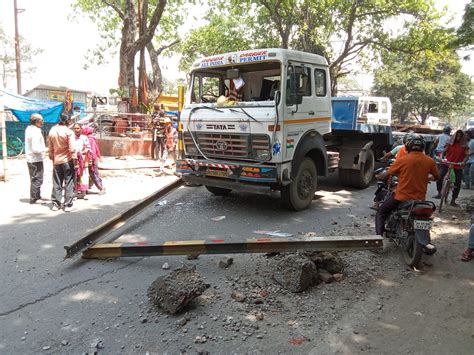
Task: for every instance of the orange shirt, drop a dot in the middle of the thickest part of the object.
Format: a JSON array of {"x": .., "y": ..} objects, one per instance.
[
  {"x": 402, "y": 152},
  {"x": 412, "y": 170}
]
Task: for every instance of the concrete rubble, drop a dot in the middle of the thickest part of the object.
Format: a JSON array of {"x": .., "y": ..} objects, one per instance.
[{"x": 174, "y": 291}]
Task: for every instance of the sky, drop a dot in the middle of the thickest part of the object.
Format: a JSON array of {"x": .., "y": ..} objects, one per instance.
[{"x": 46, "y": 25}]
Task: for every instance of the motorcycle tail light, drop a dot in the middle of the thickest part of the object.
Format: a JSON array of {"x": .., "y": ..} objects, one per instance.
[{"x": 423, "y": 211}]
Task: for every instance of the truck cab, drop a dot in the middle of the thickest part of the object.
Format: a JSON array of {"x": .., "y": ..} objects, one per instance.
[{"x": 256, "y": 121}]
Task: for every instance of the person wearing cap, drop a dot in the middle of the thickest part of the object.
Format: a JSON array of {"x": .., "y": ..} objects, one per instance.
[
  {"x": 35, "y": 150},
  {"x": 62, "y": 152}
]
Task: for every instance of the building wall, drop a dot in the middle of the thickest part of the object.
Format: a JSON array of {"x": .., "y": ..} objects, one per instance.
[{"x": 57, "y": 95}]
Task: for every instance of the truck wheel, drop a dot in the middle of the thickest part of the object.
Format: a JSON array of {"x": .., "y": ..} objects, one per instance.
[
  {"x": 359, "y": 179},
  {"x": 218, "y": 191},
  {"x": 299, "y": 194}
]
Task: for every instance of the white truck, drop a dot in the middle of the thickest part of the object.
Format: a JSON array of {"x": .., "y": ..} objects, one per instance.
[{"x": 260, "y": 120}]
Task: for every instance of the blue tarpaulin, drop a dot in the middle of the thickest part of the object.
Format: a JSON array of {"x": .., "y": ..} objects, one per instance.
[{"x": 22, "y": 107}]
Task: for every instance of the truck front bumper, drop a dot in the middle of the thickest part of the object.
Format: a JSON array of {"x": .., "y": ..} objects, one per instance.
[{"x": 232, "y": 175}]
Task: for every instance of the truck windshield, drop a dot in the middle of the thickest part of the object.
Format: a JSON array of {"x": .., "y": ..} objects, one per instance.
[{"x": 238, "y": 83}]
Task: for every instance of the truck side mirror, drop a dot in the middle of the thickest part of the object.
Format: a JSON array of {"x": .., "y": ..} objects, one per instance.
[{"x": 294, "y": 97}]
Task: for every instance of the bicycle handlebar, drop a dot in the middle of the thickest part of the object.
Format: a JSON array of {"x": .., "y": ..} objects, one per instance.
[{"x": 444, "y": 161}]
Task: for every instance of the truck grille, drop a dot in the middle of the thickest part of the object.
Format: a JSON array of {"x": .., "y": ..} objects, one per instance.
[{"x": 227, "y": 145}]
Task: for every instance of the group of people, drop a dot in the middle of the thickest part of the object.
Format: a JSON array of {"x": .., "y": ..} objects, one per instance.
[
  {"x": 415, "y": 169},
  {"x": 75, "y": 155}
]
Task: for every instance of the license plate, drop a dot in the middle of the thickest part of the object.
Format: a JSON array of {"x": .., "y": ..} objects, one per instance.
[
  {"x": 217, "y": 173},
  {"x": 420, "y": 224}
]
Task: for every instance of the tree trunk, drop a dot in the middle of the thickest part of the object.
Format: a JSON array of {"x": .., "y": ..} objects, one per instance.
[{"x": 156, "y": 81}]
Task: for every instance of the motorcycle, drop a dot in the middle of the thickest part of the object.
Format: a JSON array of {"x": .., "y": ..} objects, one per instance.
[{"x": 409, "y": 225}]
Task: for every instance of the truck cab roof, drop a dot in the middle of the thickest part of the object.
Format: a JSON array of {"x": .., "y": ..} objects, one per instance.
[{"x": 258, "y": 55}]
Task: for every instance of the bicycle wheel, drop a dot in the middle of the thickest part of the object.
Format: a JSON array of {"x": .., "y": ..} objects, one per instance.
[
  {"x": 14, "y": 146},
  {"x": 444, "y": 193}
]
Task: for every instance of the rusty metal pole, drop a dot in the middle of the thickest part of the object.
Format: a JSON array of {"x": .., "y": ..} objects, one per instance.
[
  {"x": 17, "y": 49},
  {"x": 4, "y": 143},
  {"x": 180, "y": 125}
]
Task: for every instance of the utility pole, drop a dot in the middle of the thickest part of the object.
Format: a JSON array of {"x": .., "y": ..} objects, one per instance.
[{"x": 17, "y": 49}]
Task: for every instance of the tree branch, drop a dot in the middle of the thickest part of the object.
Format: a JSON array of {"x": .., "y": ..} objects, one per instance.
[{"x": 115, "y": 7}]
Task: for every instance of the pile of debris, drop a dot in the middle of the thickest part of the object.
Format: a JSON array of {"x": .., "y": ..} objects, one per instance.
[{"x": 295, "y": 272}]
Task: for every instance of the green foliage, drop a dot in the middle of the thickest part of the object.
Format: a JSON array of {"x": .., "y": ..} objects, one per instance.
[
  {"x": 465, "y": 32},
  {"x": 429, "y": 84},
  {"x": 110, "y": 24},
  {"x": 170, "y": 87},
  {"x": 222, "y": 34}
]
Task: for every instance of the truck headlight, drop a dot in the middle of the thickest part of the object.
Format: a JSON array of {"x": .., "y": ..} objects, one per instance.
[
  {"x": 262, "y": 154},
  {"x": 191, "y": 149}
]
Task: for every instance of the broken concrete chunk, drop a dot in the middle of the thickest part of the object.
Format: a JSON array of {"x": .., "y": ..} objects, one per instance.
[
  {"x": 295, "y": 272},
  {"x": 225, "y": 262},
  {"x": 329, "y": 261},
  {"x": 175, "y": 290},
  {"x": 238, "y": 296},
  {"x": 338, "y": 277},
  {"x": 325, "y": 276}
]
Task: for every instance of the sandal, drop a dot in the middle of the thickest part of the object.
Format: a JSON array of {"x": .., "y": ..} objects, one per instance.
[{"x": 467, "y": 255}]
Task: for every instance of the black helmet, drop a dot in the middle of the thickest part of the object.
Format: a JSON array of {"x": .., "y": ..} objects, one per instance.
[
  {"x": 447, "y": 130},
  {"x": 415, "y": 143},
  {"x": 406, "y": 136}
]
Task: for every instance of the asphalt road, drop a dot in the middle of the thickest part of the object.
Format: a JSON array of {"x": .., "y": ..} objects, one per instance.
[{"x": 75, "y": 306}]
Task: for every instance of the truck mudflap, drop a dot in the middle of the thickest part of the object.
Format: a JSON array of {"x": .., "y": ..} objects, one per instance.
[{"x": 237, "y": 172}]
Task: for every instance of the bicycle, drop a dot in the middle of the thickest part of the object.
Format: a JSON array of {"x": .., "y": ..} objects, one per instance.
[
  {"x": 15, "y": 147},
  {"x": 448, "y": 182}
]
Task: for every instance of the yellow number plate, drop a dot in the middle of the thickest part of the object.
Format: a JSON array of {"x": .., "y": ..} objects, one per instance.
[{"x": 217, "y": 173}]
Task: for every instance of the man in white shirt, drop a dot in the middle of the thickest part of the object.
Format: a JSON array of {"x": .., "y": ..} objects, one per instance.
[
  {"x": 35, "y": 150},
  {"x": 441, "y": 140}
]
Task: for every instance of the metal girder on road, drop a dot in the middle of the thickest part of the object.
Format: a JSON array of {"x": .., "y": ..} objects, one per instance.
[
  {"x": 118, "y": 221},
  {"x": 220, "y": 246}
]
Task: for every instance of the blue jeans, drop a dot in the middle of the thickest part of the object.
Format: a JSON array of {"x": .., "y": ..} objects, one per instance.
[
  {"x": 468, "y": 175},
  {"x": 471, "y": 237}
]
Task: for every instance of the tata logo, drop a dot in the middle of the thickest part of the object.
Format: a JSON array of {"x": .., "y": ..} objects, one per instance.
[
  {"x": 221, "y": 127},
  {"x": 221, "y": 145}
]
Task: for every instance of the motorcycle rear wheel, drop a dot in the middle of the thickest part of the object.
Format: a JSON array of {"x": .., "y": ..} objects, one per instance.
[{"x": 411, "y": 250}]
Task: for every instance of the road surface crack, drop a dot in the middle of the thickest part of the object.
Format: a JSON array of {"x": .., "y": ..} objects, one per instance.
[{"x": 57, "y": 292}]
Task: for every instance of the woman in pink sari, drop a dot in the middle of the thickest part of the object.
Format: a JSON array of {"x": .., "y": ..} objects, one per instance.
[
  {"x": 83, "y": 153},
  {"x": 94, "y": 177}
]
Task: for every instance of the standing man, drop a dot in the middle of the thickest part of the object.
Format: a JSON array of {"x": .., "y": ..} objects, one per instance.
[
  {"x": 62, "y": 152},
  {"x": 35, "y": 150},
  {"x": 441, "y": 140}
]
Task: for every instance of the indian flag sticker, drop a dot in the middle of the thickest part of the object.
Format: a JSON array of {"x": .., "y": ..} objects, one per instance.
[{"x": 290, "y": 143}]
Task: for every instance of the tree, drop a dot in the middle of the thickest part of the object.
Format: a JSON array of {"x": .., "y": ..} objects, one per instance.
[
  {"x": 349, "y": 34},
  {"x": 7, "y": 57},
  {"x": 140, "y": 23},
  {"x": 465, "y": 33},
  {"x": 428, "y": 84}
]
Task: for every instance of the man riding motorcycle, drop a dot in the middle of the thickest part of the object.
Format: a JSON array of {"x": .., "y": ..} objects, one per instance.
[{"x": 413, "y": 172}]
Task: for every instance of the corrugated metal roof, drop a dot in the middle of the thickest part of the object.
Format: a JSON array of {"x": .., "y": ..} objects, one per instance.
[{"x": 58, "y": 88}]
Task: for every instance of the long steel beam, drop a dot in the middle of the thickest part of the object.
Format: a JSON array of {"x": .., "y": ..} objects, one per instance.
[
  {"x": 220, "y": 246},
  {"x": 119, "y": 220}
]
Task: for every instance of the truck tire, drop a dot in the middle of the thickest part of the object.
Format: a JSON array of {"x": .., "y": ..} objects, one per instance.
[
  {"x": 218, "y": 191},
  {"x": 299, "y": 194},
  {"x": 359, "y": 179}
]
